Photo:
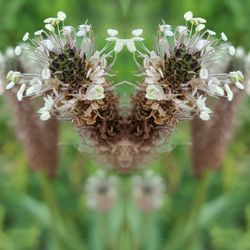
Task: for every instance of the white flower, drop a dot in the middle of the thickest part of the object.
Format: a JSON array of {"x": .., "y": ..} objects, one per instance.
[
  {"x": 61, "y": 15},
  {"x": 213, "y": 86},
  {"x": 166, "y": 29},
  {"x": 10, "y": 85},
  {"x": 229, "y": 92},
  {"x": 224, "y": 37},
  {"x": 18, "y": 50},
  {"x": 239, "y": 85},
  {"x": 204, "y": 73},
  {"x": 112, "y": 32},
  {"x": 46, "y": 109},
  {"x": 95, "y": 92},
  {"x": 13, "y": 76},
  {"x": 130, "y": 45},
  {"x": 26, "y": 36},
  {"x": 188, "y": 15},
  {"x": 21, "y": 92},
  {"x": 152, "y": 76},
  {"x": 50, "y": 27},
  {"x": 67, "y": 29},
  {"x": 137, "y": 32},
  {"x": 155, "y": 92},
  {"x": 182, "y": 29},
  {"x": 36, "y": 85},
  {"x": 46, "y": 74},
  {"x": 237, "y": 77},
  {"x": 200, "y": 27},
  {"x": 231, "y": 50},
  {"x": 211, "y": 32},
  {"x": 202, "y": 43},
  {"x": 204, "y": 110},
  {"x": 83, "y": 30},
  {"x": 97, "y": 76},
  {"x": 38, "y": 32},
  {"x": 119, "y": 45},
  {"x": 47, "y": 43}
]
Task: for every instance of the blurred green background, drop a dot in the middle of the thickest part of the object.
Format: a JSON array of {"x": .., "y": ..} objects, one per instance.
[{"x": 213, "y": 213}]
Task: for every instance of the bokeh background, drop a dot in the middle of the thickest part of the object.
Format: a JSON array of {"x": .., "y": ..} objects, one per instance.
[{"x": 211, "y": 213}]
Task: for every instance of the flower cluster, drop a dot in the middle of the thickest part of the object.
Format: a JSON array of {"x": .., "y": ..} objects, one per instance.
[
  {"x": 72, "y": 79},
  {"x": 101, "y": 191},
  {"x": 177, "y": 73},
  {"x": 148, "y": 191}
]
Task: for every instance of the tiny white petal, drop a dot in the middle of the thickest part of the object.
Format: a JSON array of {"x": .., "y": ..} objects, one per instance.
[
  {"x": 239, "y": 85},
  {"x": 119, "y": 45},
  {"x": 20, "y": 92},
  {"x": 38, "y": 33},
  {"x": 112, "y": 32},
  {"x": 200, "y": 27},
  {"x": 211, "y": 33},
  {"x": 188, "y": 15},
  {"x": 204, "y": 116},
  {"x": 67, "y": 29},
  {"x": 50, "y": 27},
  {"x": 169, "y": 33},
  {"x": 61, "y": 15},
  {"x": 231, "y": 50},
  {"x": 131, "y": 45},
  {"x": 154, "y": 92},
  {"x": 137, "y": 32},
  {"x": 224, "y": 37},
  {"x": 10, "y": 85},
  {"x": 26, "y": 36},
  {"x": 46, "y": 74},
  {"x": 95, "y": 92},
  {"x": 203, "y": 73},
  {"x": 182, "y": 29},
  {"x": 81, "y": 33},
  {"x": 229, "y": 92},
  {"x": 18, "y": 50},
  {"x": 45, "y": 116}
]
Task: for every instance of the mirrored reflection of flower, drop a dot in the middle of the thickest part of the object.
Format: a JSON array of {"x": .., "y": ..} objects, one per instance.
[
  {"x": 148, "y": 191},
  {"x": 101, "y": 191}
]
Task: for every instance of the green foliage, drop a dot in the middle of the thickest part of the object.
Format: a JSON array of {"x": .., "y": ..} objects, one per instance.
[{"x": 213, "y": 213}]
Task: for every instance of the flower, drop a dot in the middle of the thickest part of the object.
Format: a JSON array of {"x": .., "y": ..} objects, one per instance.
[
  {"x": 154, "y": 92},
  {"x": 95, "y": 92},
  {"x": 72, "y": 72},
  {"x": 137, "y": 32},
  {"x": 21, "y": 92},
  {"x": 231, "y": 50},
  {"x": 101, "y": 191},
  {"x": 45, "y": 111},
  {"x": 223, "y": 37},
  {"x": 26, "y": 36},
  {"x": 188, "y": 16},
  {"x": 178, "y": 75},
  {"x": 204, "y": 110},
  {"x": 18, "y": 50},
  {"x": 112, "y": 32},
  {"x": 148, "y": 191},
  {"x": 61, "y": 15}
]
